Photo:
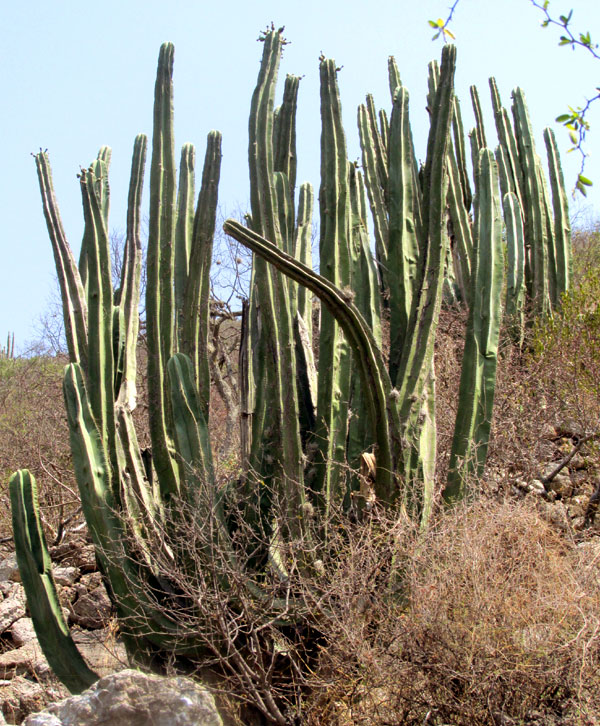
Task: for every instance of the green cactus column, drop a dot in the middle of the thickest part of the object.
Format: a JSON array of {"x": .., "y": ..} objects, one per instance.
[
  {"x": 42, "y": 599},
  {"x": 334, "y": 353},
  {"x": 414, "y": 377},
  {"x": 159, "y": 283},
  {"x": 276, "y": 453},
  {"x": 478, "y": 376}
]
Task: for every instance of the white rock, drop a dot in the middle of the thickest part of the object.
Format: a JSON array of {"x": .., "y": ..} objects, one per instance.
[
  {"x": 12, "y": 607},
  {"x": 9, "y": 570},
  {"x": 22, "y": 631},
  {"x": 132, "y": 698},
  {"x": 65, "y": 576},
  {"x": 536, "y": 486}
]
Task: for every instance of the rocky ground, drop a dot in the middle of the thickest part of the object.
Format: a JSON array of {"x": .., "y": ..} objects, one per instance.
[
  {"x": 567, "y": 490},
  {"x": 26, "y": 682}
]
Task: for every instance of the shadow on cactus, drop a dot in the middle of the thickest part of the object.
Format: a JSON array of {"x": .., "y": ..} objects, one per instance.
[{"x": 205, "y": 574}]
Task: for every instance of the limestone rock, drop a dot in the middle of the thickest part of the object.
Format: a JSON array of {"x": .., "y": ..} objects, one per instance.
[
  {"x": 9, "y": 570},
  {"x": 22, "y": 631},
  {"x": 93, "y": 608},
  {"x": 102, "y": 652},
  {"x": 561, "y": 485},
  {"x": 26, "y": 660},
  {"x": 132, "y": 698},
  {"x": 65, "y": 576},
  {"x": 75, "y": 553},
  {"x": 12, "y": 607},
  {"x": 22, "y": 696}
]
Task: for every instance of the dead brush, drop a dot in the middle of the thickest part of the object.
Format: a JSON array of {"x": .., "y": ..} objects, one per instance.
[{"x": 489, "y": 617}]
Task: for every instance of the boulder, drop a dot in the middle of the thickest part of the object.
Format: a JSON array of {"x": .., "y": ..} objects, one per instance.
[{"x": 132, "y": 698}]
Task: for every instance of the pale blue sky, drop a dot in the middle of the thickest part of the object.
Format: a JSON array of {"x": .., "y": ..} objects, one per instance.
[{"x": 79, "y": 75}]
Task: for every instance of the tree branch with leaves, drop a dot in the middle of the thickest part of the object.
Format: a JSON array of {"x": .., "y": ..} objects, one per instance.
[{"x": 576, "y": 119}]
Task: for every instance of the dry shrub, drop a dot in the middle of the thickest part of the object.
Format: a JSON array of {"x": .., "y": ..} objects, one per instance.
[
  {"x": 499, "y": 620},
  {"x": 34, "y": 435}
]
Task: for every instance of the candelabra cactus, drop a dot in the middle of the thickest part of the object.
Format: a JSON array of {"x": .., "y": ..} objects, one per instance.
[{"x": 302, "y": 424}]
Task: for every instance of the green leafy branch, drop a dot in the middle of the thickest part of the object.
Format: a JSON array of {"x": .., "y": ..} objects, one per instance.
[
  {"x": 584, "y": 40},
  {"x": 575, "y": 121},
  {"x": 441, "y": 26}
]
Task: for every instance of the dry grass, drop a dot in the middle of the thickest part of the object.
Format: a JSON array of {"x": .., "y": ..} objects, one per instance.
[
  {"x": 499, "y": 619},
  {"x": 34, "y": 435}
]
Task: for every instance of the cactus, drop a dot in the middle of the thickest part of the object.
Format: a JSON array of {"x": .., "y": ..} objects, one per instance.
[
  {"x": 478, "y": 377},
  {"x": 36, "y": 573},
  {"x": 303, "y": 424},
  {"x": 9, "y": 350}
]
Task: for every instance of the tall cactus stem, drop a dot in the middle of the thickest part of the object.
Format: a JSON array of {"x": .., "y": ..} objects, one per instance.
[
  {"x": 35, "y": 567},
  {"x": 159, "y": 286},
  {"x": 478, "y": 376}
]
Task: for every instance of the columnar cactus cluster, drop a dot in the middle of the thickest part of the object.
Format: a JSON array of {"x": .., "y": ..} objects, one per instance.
[
  {"x": 8, "y": 351},
  {"x": 306, "y": 428}
]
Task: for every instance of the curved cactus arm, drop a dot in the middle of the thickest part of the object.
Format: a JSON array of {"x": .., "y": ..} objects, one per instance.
[
  {"x": 196, "y": 308},
  {"x": 478, "y": 375},
  {"x": 563, "y": 251},
  {"x": 129, "y": 293},
  {"x": 376, "y": 382},
  {"x": 71, "y": 287},
  {"x": 36, "y": 573},
  {"x": 159, "y": 283}
]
